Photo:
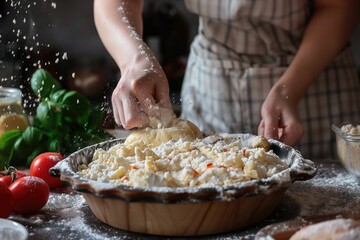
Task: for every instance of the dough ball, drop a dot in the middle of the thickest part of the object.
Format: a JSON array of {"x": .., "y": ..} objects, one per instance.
[
  {"x": 153, "y": 137},
  {"x": 337, "y": 229}
]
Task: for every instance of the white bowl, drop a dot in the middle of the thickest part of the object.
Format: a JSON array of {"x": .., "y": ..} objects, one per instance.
[
  {"x": 184, "y": 211},
  {"x": 10, "y": 230}
]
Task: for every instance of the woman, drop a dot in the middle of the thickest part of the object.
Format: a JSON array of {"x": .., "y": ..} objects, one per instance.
[{"x": 277, "y": 68}]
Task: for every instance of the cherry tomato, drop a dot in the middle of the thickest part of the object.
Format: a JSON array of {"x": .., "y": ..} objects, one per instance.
[
  {"x": 6, "y": 201},
  {"x": 8, "y": 176},
  {"x": 40, "y": 167},
  {"x": 30, "y": 194}
]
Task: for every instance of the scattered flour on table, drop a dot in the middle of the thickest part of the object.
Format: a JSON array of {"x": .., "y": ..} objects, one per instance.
[
  {"x": 248, "y": 237},
  {"x": 327, "y": 193},
  {"x": 69, "y": 208},
  {"x": 64, "y": 201}
]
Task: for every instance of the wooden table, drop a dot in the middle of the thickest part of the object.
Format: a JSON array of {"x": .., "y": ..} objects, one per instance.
[{"x": 67, "y": 216}]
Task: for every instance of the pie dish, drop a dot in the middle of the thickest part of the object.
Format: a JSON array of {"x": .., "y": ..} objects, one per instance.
[{"x": 185, "y": 211}]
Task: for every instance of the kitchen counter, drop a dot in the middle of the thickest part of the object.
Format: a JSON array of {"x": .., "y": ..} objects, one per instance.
[{"x": 67, "y": 215}]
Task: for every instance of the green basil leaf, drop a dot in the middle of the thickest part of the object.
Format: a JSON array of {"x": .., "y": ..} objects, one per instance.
[
  {"x": 7, "y": 141},
  {"x": 53, "y": 145},
  {"x": 57, "y": 96},
  {"x": 76, "y": 107},
  {"x": 42, "y": 111},
  {"x": 32, "y": 136},
  {"x": 21, "y": 152},
  {"x": 9, "y": 136},
  {"x": 43, "y": 83},
  {"x": 48, "y": 115},
  {"x": 95, "y": 119}
]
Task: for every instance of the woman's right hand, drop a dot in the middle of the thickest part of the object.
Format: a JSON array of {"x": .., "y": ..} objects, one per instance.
[{"x": 142, "y": 90}]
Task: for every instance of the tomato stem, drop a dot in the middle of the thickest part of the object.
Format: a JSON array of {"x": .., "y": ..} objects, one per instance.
[{"x": 10, "y": 171}]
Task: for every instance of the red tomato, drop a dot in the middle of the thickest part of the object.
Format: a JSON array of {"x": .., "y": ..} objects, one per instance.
[
  {"x": 6, "y": 201},
  {"x": 30, "y": 194},
  {"x": 10, "y": 175},
  {"x": 40, "y": 167}
]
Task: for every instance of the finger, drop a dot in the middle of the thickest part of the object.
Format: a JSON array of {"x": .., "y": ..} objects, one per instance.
[
  {"x": 261, "y": 128},
  {"x": 117, "y": 110},
  {"x": 133, "y": 114},
  {"x": 292, "y": 134},
  {"x": 163, "y": 98},
  {"x": 271, "y": 127}
]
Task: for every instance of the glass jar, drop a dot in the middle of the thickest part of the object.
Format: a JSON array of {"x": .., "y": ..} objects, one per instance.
[{"x": 12, "y": 114}]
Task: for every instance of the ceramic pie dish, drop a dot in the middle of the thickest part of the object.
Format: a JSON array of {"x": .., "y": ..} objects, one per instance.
[{"x": 184, "y": 211}]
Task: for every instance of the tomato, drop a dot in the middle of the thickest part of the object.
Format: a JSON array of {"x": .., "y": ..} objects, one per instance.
[
  {"x": 6, "y": 201},
  {"x": 40, "y": 167},
  {"x": 30, "y": 194},
  {"x": 8, "y": 176}
]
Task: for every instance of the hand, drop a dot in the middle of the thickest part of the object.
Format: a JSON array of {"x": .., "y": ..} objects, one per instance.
[
  {"x": 141, "y": 91},
  {"x": 280, "y": 118}
]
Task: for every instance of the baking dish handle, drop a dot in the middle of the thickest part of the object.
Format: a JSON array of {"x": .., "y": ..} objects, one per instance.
[{"x": 304, "y": 170}]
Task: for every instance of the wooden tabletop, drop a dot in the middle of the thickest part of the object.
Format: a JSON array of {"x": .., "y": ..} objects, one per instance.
[{"x": 67, "y": 215}]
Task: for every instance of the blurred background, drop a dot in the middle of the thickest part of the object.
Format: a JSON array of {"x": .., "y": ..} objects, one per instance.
[{"x": 60, "y": 36}]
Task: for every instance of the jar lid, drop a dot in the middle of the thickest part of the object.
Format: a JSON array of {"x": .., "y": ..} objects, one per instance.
[{"x": 10, "y": 94}]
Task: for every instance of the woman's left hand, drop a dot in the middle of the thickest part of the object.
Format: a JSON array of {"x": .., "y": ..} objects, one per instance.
[{"x": 280, "y": 119}]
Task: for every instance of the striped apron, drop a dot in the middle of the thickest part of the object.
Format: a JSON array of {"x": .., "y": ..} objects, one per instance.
[{"x": 242, "y": 48}]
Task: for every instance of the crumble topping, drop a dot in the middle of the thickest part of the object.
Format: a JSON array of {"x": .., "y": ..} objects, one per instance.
[
  {"x": 351, "y": 129},
  {"x": 180, "y": 163}
]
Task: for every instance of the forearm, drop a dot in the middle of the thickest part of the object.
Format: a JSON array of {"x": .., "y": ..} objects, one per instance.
[
  {"x": 326, "y": 34},
  {"x": 119, "y": 24}
]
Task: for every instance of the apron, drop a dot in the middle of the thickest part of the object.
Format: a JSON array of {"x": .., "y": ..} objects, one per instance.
[{"x": 242, "y": 48}]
